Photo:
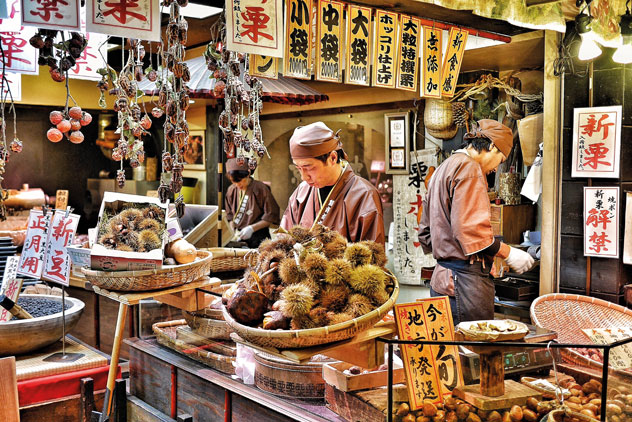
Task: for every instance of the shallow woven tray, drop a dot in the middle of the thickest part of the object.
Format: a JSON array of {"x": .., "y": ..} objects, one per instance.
[
  {"x": 166, "y": 335},
  {"x": 568, "y": 314},
  {"x": 168, "y": 276},
  {"x": 295, "y": 339},
  {"x": 228, "y": 259},
  {"x": 208, "y": 327}
]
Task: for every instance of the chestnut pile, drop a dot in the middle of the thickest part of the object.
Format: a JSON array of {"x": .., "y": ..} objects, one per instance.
[{"x": 583, "y": 405}]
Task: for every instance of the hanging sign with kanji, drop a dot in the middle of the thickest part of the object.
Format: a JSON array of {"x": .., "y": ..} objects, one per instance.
[
  {"x": 329, "y": 26},
  {"x": 264, "y": 66},
  {"x": 34, "y": 251},
  {"x": 596, "y": 142},
  {"x": 11, "y": 285},
  {"x": 61, "y": 234},
  {"x": 452, "y": 61},
  {"x": 90, "y": 60},
  {"x": 601, "y": 221},
  {"x": 138, "y": 19},
  {"x": 18, "y": 55},
  {"x": 13, "y": 82},
  {"x": 297, "y": 59},
  {"x": 408, "y": 192},
  {"x": 627, "y": 236},
  {"x": 432, "y": 372},
  {"x": 255, "y": 26},
  {"x": 12, "y": 21},
  {"x": 408, "y": 63},
  {"x": 431, "y": 62},
  {"x": 385, "y": 58},
  {"x": 52, "y": 14},
  {"x": 358, "y": 56}
]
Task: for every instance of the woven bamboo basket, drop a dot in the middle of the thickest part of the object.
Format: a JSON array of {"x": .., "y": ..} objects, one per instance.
[
  {"x": 166, "y": 335},
  {"x": 439, "y": 119},
  {"x": 568, "y": 314},
  {"x": 208, "y": 327},
  {"x": 229, "y": 259},
  {"x": 296, "y": 339},
  {"x": 168, "y": 276}
]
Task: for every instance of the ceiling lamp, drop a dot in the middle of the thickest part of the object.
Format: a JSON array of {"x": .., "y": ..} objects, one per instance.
[
  {"x": 624, "y": 51},
  {"x": 589, "y": 49}
]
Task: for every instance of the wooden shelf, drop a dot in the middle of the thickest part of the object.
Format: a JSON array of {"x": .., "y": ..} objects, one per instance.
[{"x": 525, "y": 51}]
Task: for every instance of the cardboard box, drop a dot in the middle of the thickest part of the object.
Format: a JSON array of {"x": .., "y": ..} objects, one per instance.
[{"x": 102, "y": 258}]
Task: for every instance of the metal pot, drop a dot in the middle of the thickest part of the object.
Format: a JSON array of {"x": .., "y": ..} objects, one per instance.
[{"x": 25, "y": 335}]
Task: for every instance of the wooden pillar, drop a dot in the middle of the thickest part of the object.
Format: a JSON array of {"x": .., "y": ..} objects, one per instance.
[
  {"x": 492, "y": 373},
  {"x": 552, "y": 167}
]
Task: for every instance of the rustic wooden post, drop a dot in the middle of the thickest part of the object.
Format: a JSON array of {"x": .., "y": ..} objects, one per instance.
[{"x": 87, "y": 399}]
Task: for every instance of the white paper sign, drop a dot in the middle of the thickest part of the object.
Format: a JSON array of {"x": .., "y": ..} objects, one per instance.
[
  {"x": 57, "y": 262},
  {"x": 620, "y": 356},
  {"x": 34, "y": 251},
  {"x": 19, "y": 55},
  {"x": 52, "y": 14},
  {"x": 408, "y": 191},
  {"x": 13, "y": 81},
  {"x": 255, "y": 26},
  {"x": 601, "y": 222},
  {"x": 398, "y": 135},
  {"x": 12, "y": 22},
  {"x": 11, "y": 286},
  {"x": 596, "y": 142},
  {"x": 124, "y": 18},
  {"x": 627, "y": 240},
  {"x": 90, "y": 60}
]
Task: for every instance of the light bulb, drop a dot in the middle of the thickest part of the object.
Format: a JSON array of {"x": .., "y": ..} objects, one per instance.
[
  {"x": 588, "y": 49},
  {"x": 623, "y": 54}
]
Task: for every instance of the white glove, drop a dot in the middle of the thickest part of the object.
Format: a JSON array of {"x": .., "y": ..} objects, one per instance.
[
  {"x": 519, "y": 260},
  {"x": 246, "y": 233}
]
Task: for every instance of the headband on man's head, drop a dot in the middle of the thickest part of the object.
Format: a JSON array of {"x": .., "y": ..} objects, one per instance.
[
  {"x": 500, "y": 135},
  {"x": 314, "y": 140}
]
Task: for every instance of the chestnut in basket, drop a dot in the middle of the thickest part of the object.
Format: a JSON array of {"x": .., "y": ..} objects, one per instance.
[{"x": 247, "y": 306}]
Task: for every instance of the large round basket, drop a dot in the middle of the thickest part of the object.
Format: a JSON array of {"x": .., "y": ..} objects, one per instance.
[
  {"x": 295, "y": 339},
  {"x": 229, "y": 259},
  {"x": 167, "y": 276},
  {"x": 568, "y": 314},
  {"x": 208, "y": 327}
]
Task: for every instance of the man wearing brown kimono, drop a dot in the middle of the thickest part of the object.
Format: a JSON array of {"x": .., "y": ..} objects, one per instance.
[
  {"x": 250, "y": 206},
  {"x": 331, "y": 193},
  {"x": 455, "y": 224}
]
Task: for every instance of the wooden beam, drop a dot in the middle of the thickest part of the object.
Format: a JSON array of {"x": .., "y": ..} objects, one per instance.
[
  {"x": 340, "y": 110},
  {"x": 551, "y": 167}
]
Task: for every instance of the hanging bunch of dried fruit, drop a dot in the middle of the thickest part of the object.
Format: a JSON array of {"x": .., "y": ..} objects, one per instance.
[
  {"x": 58, "y": 56},
  {"x": 239, "y": 122},
  {"x": 67, "y": 122},
  {"x": 173, "y": 101}
]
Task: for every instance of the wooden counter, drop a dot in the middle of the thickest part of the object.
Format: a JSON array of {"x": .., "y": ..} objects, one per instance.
[{"x": 175, "y": 385}]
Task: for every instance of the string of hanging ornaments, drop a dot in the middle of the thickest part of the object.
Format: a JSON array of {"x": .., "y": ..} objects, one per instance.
[
  {"x": 173, "y": 101},
  {"x": 239, "y": 121}
]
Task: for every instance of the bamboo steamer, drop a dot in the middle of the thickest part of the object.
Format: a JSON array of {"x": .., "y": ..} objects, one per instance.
[
  {"x": 439, "y": 119},
  {"x": 288, "y": 379}
]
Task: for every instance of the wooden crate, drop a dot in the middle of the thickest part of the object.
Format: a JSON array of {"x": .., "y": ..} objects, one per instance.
[
  {"x": 334, "y": 375},
  {"x": 510, "y": 221}
]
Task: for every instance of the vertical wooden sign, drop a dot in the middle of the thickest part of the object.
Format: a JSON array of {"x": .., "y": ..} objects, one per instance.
[
  {"x": 329, "y": 41},
  {"x": 385, "y": 57},
  {"x": 452, "y": 61},
  {"x": 431, "y": 63},
  {"x": 11, "y": 285},
  {"x": 34, "y": 251},
  {"x": 264, "y": 66},
  {"x": 408, "y": 63},
  {"x": 358, "y": 56},
  {"x": 432, "y": 372},
  {"x": 57, "y": 262},
  {"x": 61, "y": 199},
  {"x": 297, "y": 60}
]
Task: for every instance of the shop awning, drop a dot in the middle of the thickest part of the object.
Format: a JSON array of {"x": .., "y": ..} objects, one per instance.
[{"x": 282, "y": 90}]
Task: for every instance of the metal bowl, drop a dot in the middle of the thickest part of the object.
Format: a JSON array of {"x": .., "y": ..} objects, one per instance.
[{"x": 25, "y": 335}]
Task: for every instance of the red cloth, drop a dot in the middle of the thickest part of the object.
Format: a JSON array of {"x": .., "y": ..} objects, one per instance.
[{"x": 53, "y": 387}]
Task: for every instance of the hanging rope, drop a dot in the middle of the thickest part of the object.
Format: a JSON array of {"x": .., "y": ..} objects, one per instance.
[{"x": 486, "y": 82}]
